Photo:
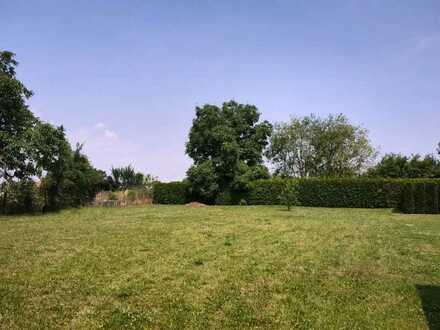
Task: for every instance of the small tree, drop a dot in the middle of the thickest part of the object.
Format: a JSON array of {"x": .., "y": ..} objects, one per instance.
[{"x": 289, "y": 194}]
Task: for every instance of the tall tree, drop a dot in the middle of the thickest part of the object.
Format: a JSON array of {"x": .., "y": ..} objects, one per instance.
[
  {"x": 225, "y": 142},
  {"x": 16, "y": 124},
  {"x": 312, "y": 146},
  {"x": 30, "y": 148}
]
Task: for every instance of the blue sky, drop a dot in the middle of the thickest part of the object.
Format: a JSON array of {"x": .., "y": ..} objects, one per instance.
[{"x": 125, "y": 76}]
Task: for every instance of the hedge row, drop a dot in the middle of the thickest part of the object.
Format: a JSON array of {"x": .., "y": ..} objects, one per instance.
[
  {"x": 407, "y": 195},
  {"x": 170, "y": 193},
  {"x": 364, "y": 193},
  {"x": 420, "y": 196}
]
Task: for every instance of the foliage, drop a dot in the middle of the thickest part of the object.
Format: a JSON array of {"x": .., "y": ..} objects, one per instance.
[
  {"x": 420, "y": 196},
  {"x": 407, "y": 204},
  {"x": 266, "y": 192},
  {"x": 22, "y": 196},
  {"x": 432, "y": 190},
  {"x": 71, "y": 180},
  {"x": 329, "y": 192},
  {"x": 289, "y": 194},
  {"x": 400, "y": 166},
  {"x": 316, "y": 147},
  {"x": 225, "y": 143},
  {"x": 30, "y": 148},
  {"x": 16, "y": 126},
  {"x": 170, "y": 193},
  {"x": 203, "y": 182},
  {"x": 126, "y": 177}
]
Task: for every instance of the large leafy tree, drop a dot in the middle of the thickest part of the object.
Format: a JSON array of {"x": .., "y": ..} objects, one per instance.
[
  {"x": 225, "y": 143},
  {"x": 312, "y": 146},
  {"x": 16, "y": 122},
  {"x": 16, "y": 126},
  {"x": 30, "y": 148}
]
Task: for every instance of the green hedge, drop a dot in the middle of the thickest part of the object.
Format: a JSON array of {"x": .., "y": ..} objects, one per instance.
[
  {"x": 364, "y": 193},
  {"x": 420, "y": 196},
  {"x": 170, "y": 193},
  {"x": 266, "y": 192},
  {"x": 407, "y": 195},
  {"x": 357, "y": 192}
]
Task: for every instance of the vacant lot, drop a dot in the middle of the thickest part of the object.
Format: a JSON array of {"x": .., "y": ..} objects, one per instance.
[{"x": 220, "y": 267}]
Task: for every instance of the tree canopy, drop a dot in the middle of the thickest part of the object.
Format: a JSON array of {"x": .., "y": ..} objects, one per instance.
[
  {"x": 400, "y": 166},
  {"x": 312, "y": 146},
  {"x": 225, "y": 143},
  {"x": 31, "y": 148}
]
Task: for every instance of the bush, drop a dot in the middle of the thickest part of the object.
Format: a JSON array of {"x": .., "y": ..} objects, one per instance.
[
  {"x": 21, "y": 197},
  {"x": 289, "y": 194},
  {"x": 266, "y": 192},
  {"x": 170, "y": 193}
]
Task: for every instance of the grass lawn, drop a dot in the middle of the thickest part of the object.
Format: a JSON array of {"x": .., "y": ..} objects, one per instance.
[{"x": 170, "y": 267}]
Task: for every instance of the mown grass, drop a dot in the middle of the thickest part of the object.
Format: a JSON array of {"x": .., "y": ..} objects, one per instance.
[{"x": 170, "y": 267}]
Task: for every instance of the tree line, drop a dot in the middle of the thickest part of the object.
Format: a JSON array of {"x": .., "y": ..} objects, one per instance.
[{"x": 229, "y": 144}]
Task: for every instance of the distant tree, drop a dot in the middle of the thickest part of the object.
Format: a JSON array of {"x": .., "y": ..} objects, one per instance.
[
  {"x": 312, "y": 146},
  {"x": 126, "y": 177},
  {"x": 400, "y": 166},
  {"x": 222, "y": 142}
]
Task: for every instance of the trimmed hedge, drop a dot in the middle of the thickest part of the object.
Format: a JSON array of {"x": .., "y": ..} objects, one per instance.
[
  {"x": 420, "y": 196},
  {"x": 406, "y": 195},
  {"x": 170, "y": 193},
  {"x": 266, "y": 191},
  {"x": 358, "y": 192}
]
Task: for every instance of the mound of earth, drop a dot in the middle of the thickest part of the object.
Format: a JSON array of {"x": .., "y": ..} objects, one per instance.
[{"x": 195, "y": 205}]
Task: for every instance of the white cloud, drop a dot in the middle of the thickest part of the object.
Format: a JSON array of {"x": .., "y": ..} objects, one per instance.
[
  {"x": 110, "y": 134},
  {"x": 99, "y": 126}
]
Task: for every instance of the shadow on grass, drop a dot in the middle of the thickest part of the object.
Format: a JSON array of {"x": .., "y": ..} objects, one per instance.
[{"x": 430, "y": 298}]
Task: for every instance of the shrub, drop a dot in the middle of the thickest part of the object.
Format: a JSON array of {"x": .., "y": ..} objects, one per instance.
[
  {"x": 289, "y": 194},
  {"x": 170, "y": 193},
  {"x": 223, "y": 198},
  {"x": 21, "y": 197},
  {"x": 266, "y": 192}
]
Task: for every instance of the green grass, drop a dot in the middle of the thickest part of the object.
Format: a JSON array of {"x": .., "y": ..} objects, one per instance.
[{"x": 170, "y": 267}]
